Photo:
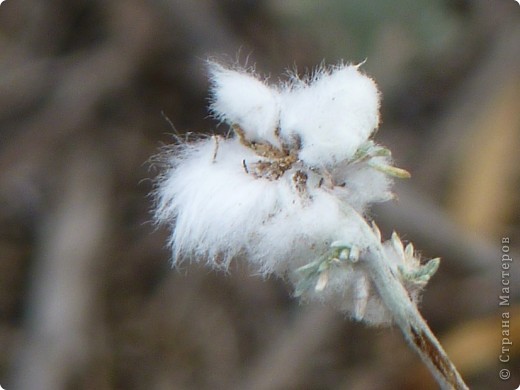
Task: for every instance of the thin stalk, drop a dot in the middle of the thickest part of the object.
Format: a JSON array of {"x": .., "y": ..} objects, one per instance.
[{"x": 406, "y": 315}]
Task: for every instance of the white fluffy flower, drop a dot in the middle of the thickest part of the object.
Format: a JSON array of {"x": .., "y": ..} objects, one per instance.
[{"x": 289, "y": 190}]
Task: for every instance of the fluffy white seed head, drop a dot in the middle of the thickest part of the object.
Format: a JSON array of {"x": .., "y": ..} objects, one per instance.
[
  {"x": 241, "y": 98},
  {"x": 288, "y": 192}
]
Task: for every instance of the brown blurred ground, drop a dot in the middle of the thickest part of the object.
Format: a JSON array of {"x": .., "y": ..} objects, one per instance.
[{"x": 87, "y": 297}]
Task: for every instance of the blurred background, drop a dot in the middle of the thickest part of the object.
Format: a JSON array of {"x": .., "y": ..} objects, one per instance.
[{"x": 88, "y": 299}]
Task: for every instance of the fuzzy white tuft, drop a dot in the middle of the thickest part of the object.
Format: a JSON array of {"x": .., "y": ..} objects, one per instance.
[
  {"x": 241, "y": 98},
  {"x": 220, "y": 211},
  {"x": 361, "y": 185},
  {"x": 215, "y": 204},
  {"x": 333, "y": 114}
]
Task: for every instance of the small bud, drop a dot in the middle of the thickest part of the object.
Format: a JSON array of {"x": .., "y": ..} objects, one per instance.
[
  {"x": 421, "y": 275},
  {"x": 390, "y": 170},
  {"x": 397, "y": 244},
  {"x": 409, "y": 251},
  {"x": 354, "y": 254},
  {"x": 430, "y": 268},
  {"x": 344, "y": 254}
]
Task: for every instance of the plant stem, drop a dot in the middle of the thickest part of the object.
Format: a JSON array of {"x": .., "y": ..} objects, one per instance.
[{"x": 407, "y": 316}]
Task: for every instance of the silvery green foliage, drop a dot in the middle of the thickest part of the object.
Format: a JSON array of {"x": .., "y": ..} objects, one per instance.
[{"x": 289, "y": 189}]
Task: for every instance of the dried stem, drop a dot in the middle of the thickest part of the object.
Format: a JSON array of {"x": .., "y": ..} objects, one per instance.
[{"x": 407, "y": 316}]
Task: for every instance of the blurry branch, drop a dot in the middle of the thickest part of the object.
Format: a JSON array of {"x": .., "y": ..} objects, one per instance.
[
  {"x": 486, "y": 171},
  {"x": 182, "y": 313},
  {"x": 63, "y": 308},
  {"x": 288, "y": 358},
  {"x": 23, "y": 80},
  {"x": 85, "y": 78},
  {"x": 202, "y": 25}
]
